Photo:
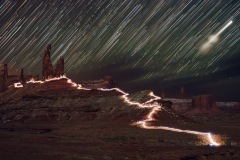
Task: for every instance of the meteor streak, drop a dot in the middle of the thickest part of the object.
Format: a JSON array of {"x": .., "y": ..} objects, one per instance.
[
  {"x": 152, "y": 104},
  {"x": 224, "y": 28},
  {"x": 214, "y": 38}
]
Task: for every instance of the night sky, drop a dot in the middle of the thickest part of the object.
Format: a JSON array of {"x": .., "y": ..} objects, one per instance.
[{"x": 178, "y": 48}]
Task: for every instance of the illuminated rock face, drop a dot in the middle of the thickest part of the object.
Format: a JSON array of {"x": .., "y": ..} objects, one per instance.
[
  {"x": 203, "y": 101},
  {"x": 47, "y": 68}
]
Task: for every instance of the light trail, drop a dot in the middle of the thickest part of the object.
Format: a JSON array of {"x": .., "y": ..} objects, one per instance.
[
  {"x": 224, "y": 28},
  {"x": 214, "y": 38},
  {"x": 18, "y": 85},
  {"x": 152, "y": 104},
  {"x": 77, "y": 86}
]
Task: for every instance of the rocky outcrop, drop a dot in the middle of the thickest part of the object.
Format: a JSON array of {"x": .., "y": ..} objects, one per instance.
[
  {"x": 8, "y": 80},
  {"x": 47, "y": 68},
  {"x": 106, "y": 82},
  {"x": 203, "y": 101},
  {"x": 60, "y": 67}
]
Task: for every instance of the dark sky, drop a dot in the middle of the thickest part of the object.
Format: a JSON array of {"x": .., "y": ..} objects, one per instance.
[{"x": 178, "y": 48}]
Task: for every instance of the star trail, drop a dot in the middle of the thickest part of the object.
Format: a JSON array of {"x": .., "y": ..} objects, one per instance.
[{"x": 143, "y": 44}]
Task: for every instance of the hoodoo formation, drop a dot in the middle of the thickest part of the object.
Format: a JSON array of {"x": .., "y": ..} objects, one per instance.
[
  {"x": 60, "y": 67},
  {"x": 49, "y": 72},
  {"x": 7, "y": 80},
  {"x": 47, "y": 68},
  {"x": 56, "y": 98}
]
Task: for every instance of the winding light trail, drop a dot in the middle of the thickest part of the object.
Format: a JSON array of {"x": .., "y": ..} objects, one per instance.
[{"x": 155, "y": 108}]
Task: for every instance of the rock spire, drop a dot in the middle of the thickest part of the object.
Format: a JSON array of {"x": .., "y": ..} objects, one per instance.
[{"x": 47, "y": 68}]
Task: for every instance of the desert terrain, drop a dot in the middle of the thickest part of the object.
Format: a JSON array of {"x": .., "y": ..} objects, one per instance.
[{"x": 55, "y": 120}]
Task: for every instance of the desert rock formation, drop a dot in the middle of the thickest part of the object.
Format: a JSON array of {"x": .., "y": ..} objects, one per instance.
[
  {"x": 203, "y": 101},
  {"x": 8, "y": 80},
  {"x": 47, "y": 68},
  {"x": 60, "y": 67},
  {"x": 48, "y": 71}
]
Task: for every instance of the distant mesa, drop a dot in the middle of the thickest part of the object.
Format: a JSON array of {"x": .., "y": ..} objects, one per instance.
[
  {"x": 49, "y": 72},
  {"x": 203, "y": 101}
]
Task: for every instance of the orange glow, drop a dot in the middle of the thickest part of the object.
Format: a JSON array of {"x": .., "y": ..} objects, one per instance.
[{"x": 152, "y": 104}]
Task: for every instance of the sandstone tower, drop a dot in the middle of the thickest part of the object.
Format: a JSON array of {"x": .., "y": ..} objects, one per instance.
[{"x": 47, "y": 68}]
